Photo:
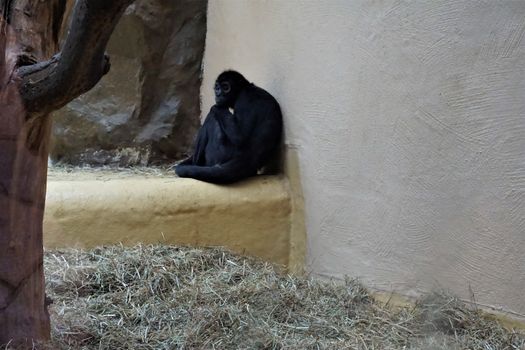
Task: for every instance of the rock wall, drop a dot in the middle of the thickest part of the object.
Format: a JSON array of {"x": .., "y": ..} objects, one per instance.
[{"x": 146, "y": 110}]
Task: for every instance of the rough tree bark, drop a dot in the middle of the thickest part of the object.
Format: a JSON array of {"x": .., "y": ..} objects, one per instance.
[{"x": 36, "y": 79}]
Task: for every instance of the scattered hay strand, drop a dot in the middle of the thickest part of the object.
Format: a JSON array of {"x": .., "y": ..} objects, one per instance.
[
  {"x": 86, "y": 172},
  {"x": 162, "y": 297}
]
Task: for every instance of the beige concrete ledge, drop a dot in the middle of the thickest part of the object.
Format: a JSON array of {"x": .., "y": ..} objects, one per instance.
[{"x": 252, "y": 217}]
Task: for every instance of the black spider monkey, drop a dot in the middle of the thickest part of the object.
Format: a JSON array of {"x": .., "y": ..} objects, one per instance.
[{"x": 230, "y": 147}]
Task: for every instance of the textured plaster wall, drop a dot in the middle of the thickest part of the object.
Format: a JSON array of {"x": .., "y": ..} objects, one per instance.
[{"x": 409, "y": 121}]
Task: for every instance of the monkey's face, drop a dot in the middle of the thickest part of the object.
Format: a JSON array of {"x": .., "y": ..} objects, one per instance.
[{"x": 225, "y": 93}]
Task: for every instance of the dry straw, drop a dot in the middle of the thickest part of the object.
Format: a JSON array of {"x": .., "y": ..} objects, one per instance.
[{"x": 162, "y": 297}]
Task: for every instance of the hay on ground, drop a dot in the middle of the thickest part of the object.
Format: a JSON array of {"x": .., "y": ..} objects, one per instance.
[
  {"x": 161, "y": 297},
  {"x": 105, "y": 173}
]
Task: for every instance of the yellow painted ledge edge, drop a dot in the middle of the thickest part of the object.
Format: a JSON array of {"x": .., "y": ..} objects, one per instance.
[{"x": 255, "y": 217}]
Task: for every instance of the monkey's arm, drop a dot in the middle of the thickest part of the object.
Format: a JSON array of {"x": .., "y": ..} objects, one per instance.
[
  {"x": 199, "y": 153},
  {"x": 197, "y": 159},
  {"x": 230, "y": 124},
  {"x": 199, "y": 146}
]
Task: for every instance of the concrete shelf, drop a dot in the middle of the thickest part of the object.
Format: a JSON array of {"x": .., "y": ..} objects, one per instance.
[{"x": 252, "y": 217}]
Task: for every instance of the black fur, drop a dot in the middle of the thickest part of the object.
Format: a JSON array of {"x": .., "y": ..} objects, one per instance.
[{"x": 230, "y": 147}]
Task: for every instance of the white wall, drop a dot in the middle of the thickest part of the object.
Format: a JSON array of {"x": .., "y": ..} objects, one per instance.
[{"x": 409, "y": 120}]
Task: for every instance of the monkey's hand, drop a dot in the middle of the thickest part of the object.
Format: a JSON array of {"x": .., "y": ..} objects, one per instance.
[
  {"x": 220, "y": 112},
  {"x": 229, "y": 124}
]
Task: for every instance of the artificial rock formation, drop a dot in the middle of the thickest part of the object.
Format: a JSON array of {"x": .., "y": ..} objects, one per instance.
[{"x": 146, "y": 110}]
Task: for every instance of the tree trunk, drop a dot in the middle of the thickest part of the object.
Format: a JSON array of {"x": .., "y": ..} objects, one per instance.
[
  {"x": 23, "y": 169},
  {"x": 33, "y": 83}
]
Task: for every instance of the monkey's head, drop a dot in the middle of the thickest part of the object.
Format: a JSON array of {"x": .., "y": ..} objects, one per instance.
[{"x": 227, "y": 88}]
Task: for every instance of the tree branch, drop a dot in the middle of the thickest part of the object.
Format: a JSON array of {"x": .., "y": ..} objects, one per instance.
[{"x": 47, "y": 86}]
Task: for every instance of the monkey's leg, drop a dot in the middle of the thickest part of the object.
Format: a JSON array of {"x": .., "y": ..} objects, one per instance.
[{"x": 231, "y": 171}]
